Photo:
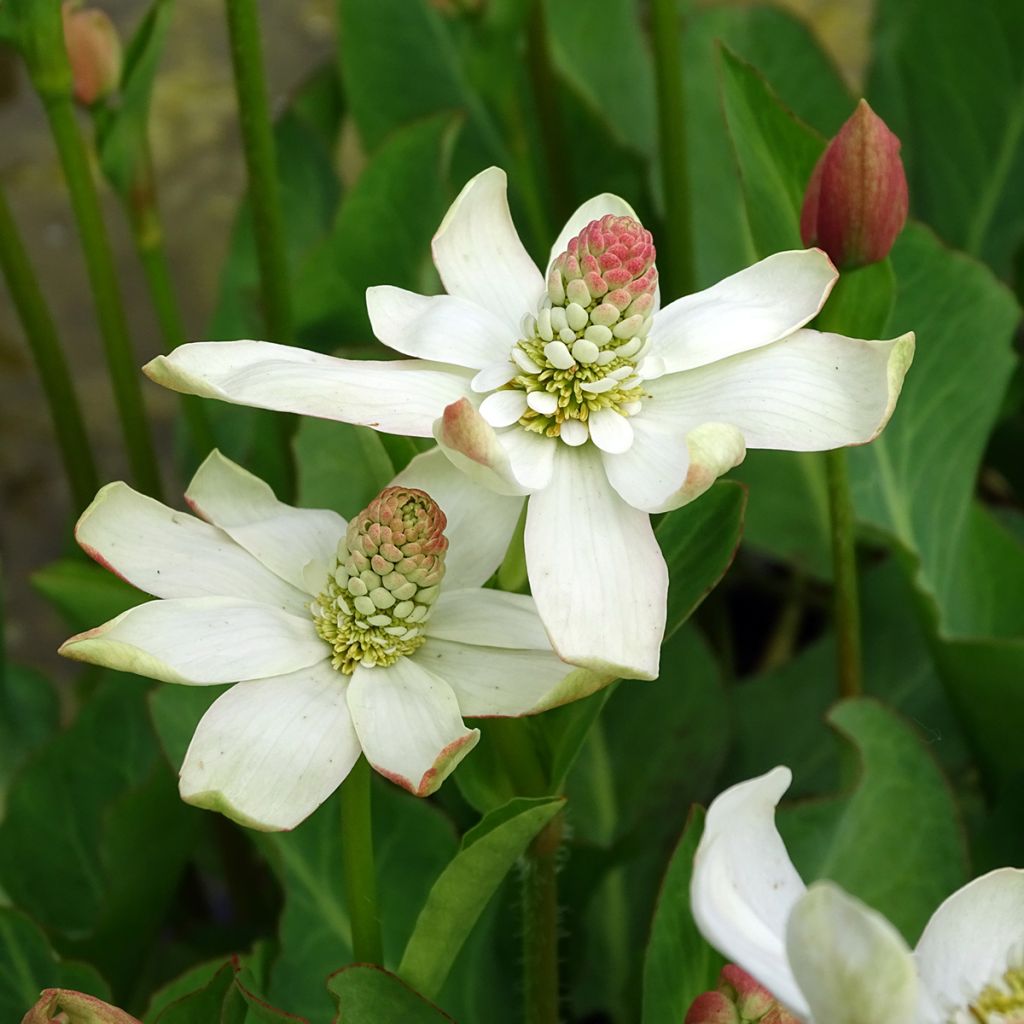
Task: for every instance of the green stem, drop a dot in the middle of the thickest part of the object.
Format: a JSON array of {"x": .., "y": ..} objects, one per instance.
[
  {"x": 675, "y": 169},
  {"x": 53, "y": 369},
  {"x": 844, "y": 568},
  {"x": 357, "y": 864},
  {"x": 147, "y": 230},
  {"x": 99, "y": 261},
  {"x": 261, "y": 164},
  {"x": 540, "y": 925}
]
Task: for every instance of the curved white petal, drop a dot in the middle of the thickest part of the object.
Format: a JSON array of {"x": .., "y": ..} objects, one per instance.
[
  {"x": 493, "y": 376},
  {"x": 409, "y": 724},
  {"x": 970, "y": 940},
  {"x": 479, "y": 255},
  {"x": 610, "y": 431},
  {"x": 662, "y": 472},
  {"x": 480, "y": 521},
  {"x": 201, "y": 641},
  {"x": 808, "y": 392},
  {"x": 752, "y": 308},
  {"x": 490, "y": 618},
  {"x": 596, "y": 571},
  {"x": 744, "y": 885},
  {"x": 503, "y": 408},
  {"x": 298, "y": 544},
  {"x": 172, "y": 554},
  {"x": 444, "y": 328},
  {"x": 532, "y": 457},
  {"x": 501, "y": 682},
  {"x": 402, "y": 396},
  {"x": 851, "y": 964},
  {"x": 269, "y": 752}
]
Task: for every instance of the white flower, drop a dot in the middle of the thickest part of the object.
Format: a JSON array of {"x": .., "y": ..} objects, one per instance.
[
  {"x": 341, "y": 638},
  {"x": 833, "y": 960},
  {"x": 574, "y": 389}
]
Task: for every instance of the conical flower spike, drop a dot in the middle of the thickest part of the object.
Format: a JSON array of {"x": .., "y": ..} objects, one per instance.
[
  {"x": 62, "y": 1006},
  {"x": 856, "y": 201},
  {"x": 739, "y": 999},
  {"x": 94, "y": 50}
]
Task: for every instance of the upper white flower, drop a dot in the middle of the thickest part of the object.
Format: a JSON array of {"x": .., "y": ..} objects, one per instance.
[
  {"x": 833, "y": 960},
  {"x": 572, "y": 387},
  {"x": 372, "y": 636}
]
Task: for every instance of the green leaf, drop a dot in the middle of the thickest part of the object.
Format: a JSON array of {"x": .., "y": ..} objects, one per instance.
[
  {"x": 370, "y": 995},
  {"x": 339, "y": 466},
  {"x": 176, "y": 711},
  {"x": 678, "y": 965},
  {"x": 193, "y": 980},
  {"x": 28, "y": 965},
  {"x": 85, "y": 593},
  {"x": 209, "y": 1004},
  {"x": 699, "y": 542},
  {"x": 122, "y": 129},
  {"x": 861, "y": 840},
  {"x": 28, "y": 717},
  {"x": 953, "y": 71},
  {"x": 459, "y": 896}
]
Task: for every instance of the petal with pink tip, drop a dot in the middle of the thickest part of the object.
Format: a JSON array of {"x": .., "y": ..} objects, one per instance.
[
  {"x": 402, "y": 396},
  {"x": 479, "y": 256},
  {"x": 475, "y": 447}
]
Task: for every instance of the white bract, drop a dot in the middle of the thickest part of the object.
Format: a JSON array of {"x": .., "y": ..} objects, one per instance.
[
  {"x": 575, "y": 389},
  {"x": 833, "y": 960},
  {"x": 373, "y": 636}
]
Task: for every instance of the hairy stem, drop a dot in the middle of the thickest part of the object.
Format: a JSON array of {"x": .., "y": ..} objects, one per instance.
[
  {"x": 358, "y": 864},
  {"x": 540, "y": 925}
]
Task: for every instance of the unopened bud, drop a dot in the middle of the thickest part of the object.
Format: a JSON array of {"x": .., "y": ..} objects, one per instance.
[
  {"x": 856, "y": 201},
  {"x": 94, "y": 50},
  {"x": 739, "y": 999},
  {"x": 62, "y": 1006}
]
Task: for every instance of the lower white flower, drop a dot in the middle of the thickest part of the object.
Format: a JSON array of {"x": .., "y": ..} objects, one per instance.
[
  {"x": 372, "y": 636},
  {"x": 833, "y": 960},
  {"x": 574, "y": 388}
]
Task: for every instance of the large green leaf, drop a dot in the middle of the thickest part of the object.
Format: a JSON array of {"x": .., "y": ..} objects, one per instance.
[
  {"x": 953, "y": 71},
  {"x": 28, "y": 965},
  {"x": 678, "y": 965},
  {"x": 459, "y": 896},
  {"x": 85, "y": 593},
  {"x": 861, "y": 839},
  {"x": 370, "y": 995},
  {"x": 28, "y": 717}
]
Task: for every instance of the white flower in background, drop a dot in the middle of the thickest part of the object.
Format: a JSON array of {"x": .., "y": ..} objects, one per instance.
[
  {"x": 575, "y": 389},
  {"x": 372, "y": 636},
  {"x": 833, "y": 960}
]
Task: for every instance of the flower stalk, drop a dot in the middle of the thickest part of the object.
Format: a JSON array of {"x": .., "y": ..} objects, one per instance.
[
  {"x": 358, "y": 864},
  {"x": 53, "y": 369},
  {"x": 540, "y": 925}
]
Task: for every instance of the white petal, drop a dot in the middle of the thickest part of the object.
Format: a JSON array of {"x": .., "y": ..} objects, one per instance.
[
  {"x": 968, "y": 942},
  {"x": 499, "y": 682},
  {"x": 750, "y": 309},
  {"x": 444, "y": 328},
  {"x": 409, "y": 724},
  {"x": 851, "y": 964},
  {"x": 610, "y": 431},
  {"x": 286, "y": 540},
  {"x": 531, "y": 456},
  {"x": 574, "y": 433},
  {"x": 172, "y": 554},
  {"x": 503, "y": 408},
  {"x": 481, "y": 452},
  {"x": 402, "y": 396},
  {"x": 744, "y": 885},
  {"x": 268, "y": 753},
  {"x": 489, "y": 618},
  {"x": 543, "y": 402},
  {"x": 596, "y": 571},
  {"x": 479, "y": 256},
  {"x": 593, "y": 209},
  {"x": 480, "y": 521},
  {"x": 660, "y": 472},
  {"x": 201, "y": 641},
  {"x": 808, "y": 392},
  {"x": 494, "y": 376}
]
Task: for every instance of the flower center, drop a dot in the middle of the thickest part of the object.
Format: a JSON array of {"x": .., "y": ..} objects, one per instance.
[
  {"x": 999, "y": 1003},
  {"x": 386, "y": 576},
  {"x": 580, "y": 354}
]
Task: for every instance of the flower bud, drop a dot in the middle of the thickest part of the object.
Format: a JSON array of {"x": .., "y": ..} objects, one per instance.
[
  {"x": 94, "y": 50},
  {"x": 739, "y": 999},
  {"x": 62, "y": 1006},
  {"x": 856, "y": 201}
]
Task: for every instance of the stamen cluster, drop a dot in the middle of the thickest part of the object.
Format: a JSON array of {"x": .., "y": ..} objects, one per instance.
[
  {"x": 999, "y": 1003},
  {"x": 387, "y": 574}
]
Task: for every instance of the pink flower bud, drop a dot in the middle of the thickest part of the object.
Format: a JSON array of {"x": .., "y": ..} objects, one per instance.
[
  {"x": 739, "y": 999},
  {"x": 856, "y": 200},
  {"x": 94, "y": 50},
  {"x": 62, "y": 1006}
]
